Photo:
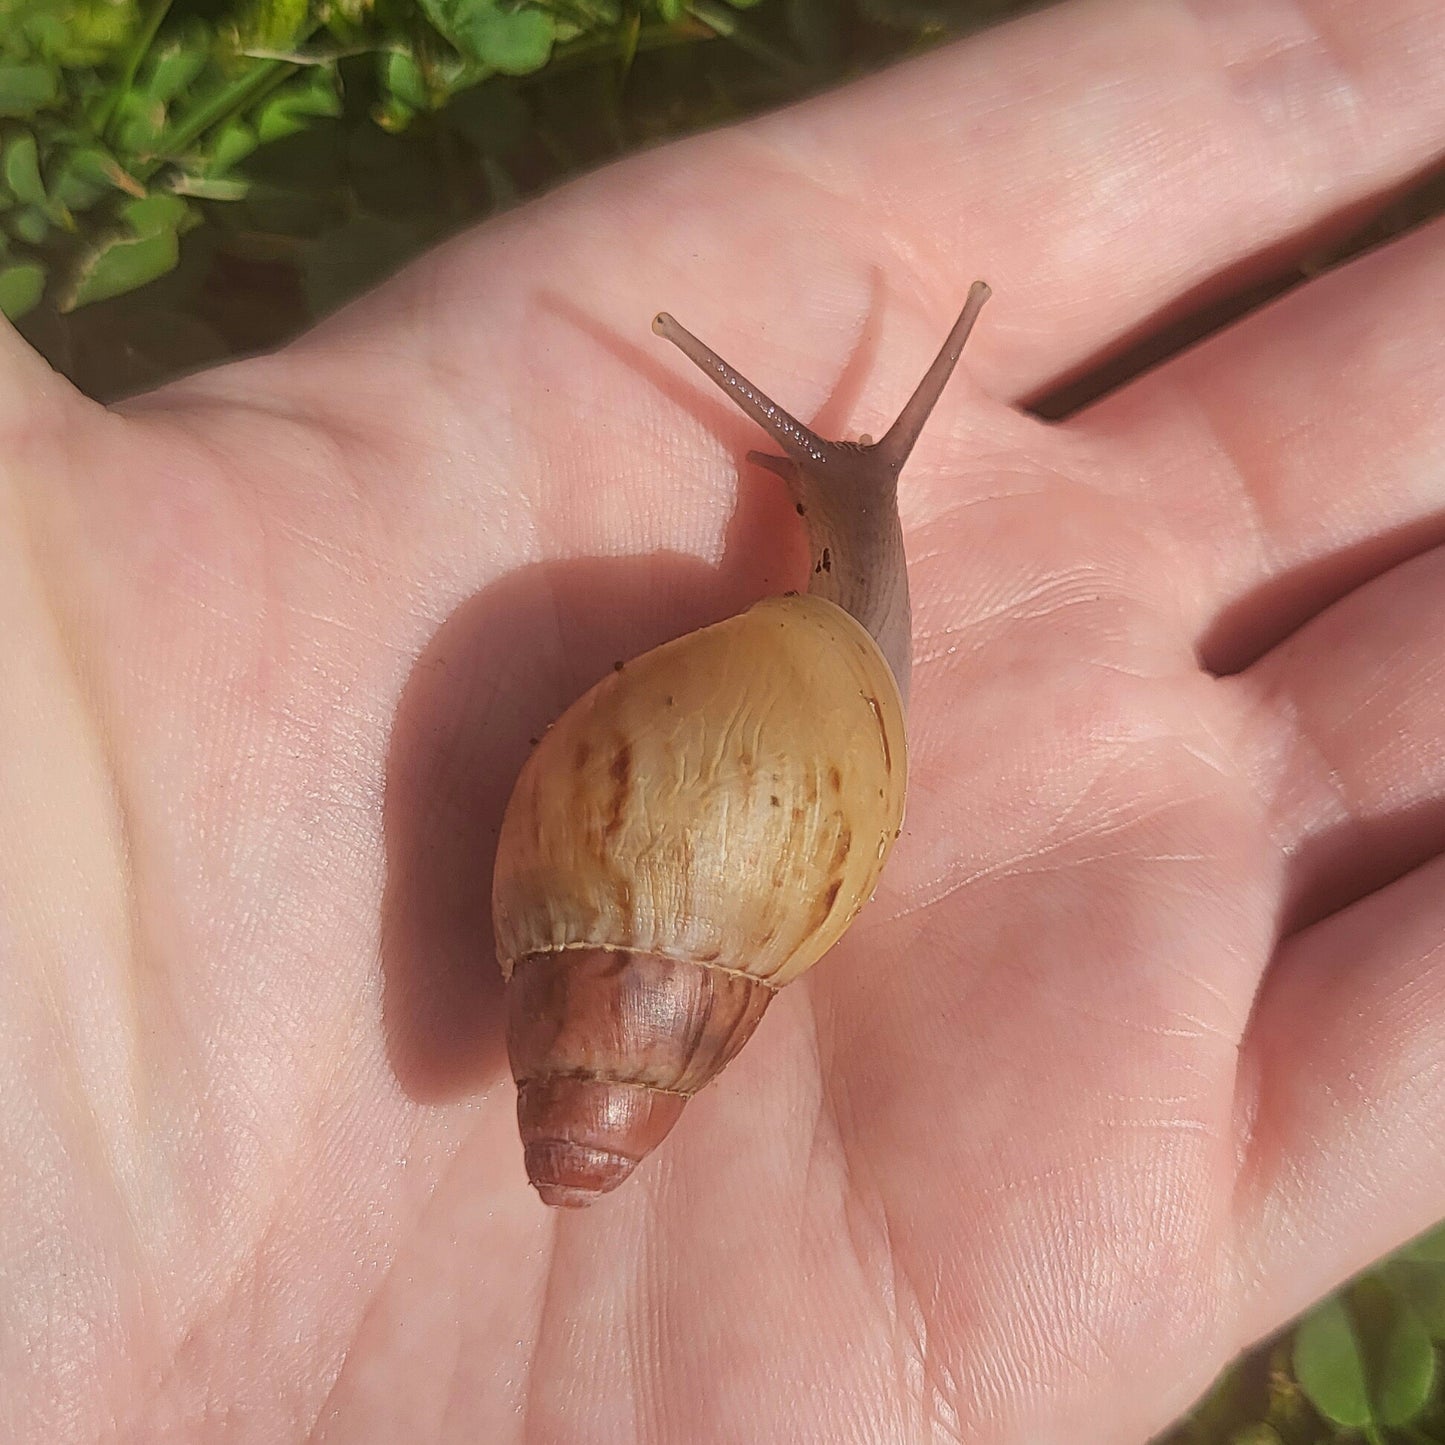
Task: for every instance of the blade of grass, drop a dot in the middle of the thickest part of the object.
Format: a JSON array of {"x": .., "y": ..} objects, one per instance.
[
  {"x": 225, "y": 102},
  {"x": 725, "y": 22},
  {"x": 154, "y": 18},
  {"x": 573, "y": 55}
]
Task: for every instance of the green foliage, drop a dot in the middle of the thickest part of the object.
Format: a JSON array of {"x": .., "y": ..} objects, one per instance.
[
  {"x": 239, "y": 166},
  {"x": 1365, "y": 1359},
  {"x": 25, "y": 89},
  {"x": 20, "y": 169},
  {"x": 271, "y": 24},
  {"x": 20, "y": 287},
  {"x": 117, "y": 264},
  {"x": 312, "y": 96},
  {"x": 510, "y": 39},
  {"x": 107, "y": 102}
]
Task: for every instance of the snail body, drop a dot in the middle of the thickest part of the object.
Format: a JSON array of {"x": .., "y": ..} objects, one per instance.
[{"x": 700, "y": 827}]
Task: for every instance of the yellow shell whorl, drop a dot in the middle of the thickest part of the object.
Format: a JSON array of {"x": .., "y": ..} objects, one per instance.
[{"x": 728, "y": 798}]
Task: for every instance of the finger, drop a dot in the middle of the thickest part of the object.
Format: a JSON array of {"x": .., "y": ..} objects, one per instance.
[
  {"x": 1342, "y": 1084},
  {"x": 1097, "y": 163},
  {"x": 1341, "y": 734},
  {"x": 1297, "y": 454}
]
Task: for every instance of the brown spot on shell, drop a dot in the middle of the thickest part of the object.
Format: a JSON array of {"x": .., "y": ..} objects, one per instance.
[
  {"x": 774, "y": 800},
  {"x": 835, "y": 779},
  {"x": 622, "y": 765},
  {"x": 825, "y": 904},
  {"x": 621, "y": 771},
  {"x": 827, "y": 563}
]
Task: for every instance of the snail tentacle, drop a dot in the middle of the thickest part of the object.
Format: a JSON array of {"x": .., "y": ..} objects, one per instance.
[{"x": 847, "y": 492}]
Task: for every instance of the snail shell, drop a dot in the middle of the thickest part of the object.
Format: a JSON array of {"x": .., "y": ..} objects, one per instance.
[{"x": 692, "y": 835}]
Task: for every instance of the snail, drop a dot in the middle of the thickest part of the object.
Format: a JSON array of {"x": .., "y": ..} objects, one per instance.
[{"x": 700, "y": 827}]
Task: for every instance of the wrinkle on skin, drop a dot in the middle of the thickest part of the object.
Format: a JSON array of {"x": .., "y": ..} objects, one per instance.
[
  {"x": 927, "y": 1393},
  {"x": 116, "y": 843}
]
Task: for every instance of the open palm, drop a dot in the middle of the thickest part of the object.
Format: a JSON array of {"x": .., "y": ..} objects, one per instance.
[{"x": 1139, "y": 1046}]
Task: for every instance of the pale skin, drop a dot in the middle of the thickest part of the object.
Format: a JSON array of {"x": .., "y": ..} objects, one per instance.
[{"x": 1140, "y": 1047}]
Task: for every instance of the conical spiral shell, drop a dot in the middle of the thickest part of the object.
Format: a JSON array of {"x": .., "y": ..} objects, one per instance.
[
  {"x": 727, "y": 799},
  {"x": 692, "y": 834}
]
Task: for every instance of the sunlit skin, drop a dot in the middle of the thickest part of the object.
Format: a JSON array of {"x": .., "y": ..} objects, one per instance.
[{"x": 1140, "y": 1046}]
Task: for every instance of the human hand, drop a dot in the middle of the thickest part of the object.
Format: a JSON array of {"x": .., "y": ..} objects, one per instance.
[{"x": 1137, "y": 1049}]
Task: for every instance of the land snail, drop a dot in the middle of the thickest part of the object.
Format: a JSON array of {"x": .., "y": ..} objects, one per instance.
[{"x": 699, "y": 828}]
